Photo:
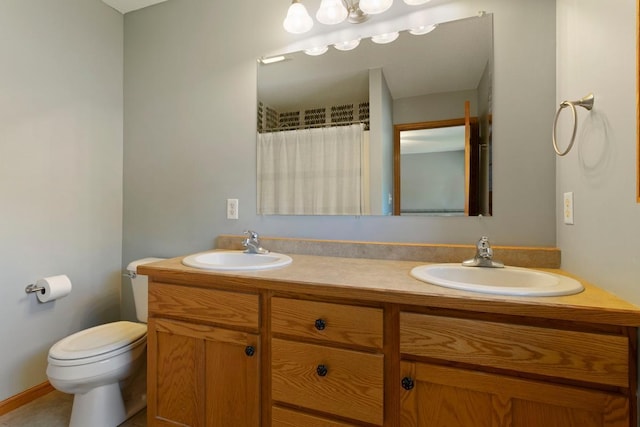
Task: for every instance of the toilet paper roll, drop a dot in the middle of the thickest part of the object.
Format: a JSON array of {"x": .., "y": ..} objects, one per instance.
[{"x": 54, "y": 287}]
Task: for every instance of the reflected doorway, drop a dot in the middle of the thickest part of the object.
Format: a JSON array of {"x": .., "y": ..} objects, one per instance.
[{"x": 437, "y": 168}]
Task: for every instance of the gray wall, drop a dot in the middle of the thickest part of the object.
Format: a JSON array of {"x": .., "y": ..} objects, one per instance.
[
  {"x": 442, "y": 173},
  {"x": 190, "y": 102},
  {"x": 438, "y": 106},
  {"x": 381, "y": 143},
  {"x": 602, "y": 245},
  {"x": 60, "y": 175}
]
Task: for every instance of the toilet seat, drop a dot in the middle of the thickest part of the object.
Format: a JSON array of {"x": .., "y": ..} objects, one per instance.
[{"x": 98, "y": 343}]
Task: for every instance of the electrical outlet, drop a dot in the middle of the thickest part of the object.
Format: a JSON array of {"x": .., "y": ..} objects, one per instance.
[
  {"x": 232, "y": 208},
  {"x": 567, "y": 208}
]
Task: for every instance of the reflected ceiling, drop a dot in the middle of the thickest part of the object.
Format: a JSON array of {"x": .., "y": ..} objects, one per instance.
[
  {"x": 124, "y": 6},
  {"x": 447, "y": 53}
]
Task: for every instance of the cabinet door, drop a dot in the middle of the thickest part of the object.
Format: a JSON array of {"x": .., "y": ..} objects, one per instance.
[
  {"x": 201, "y": 376},
  {"x": 438, "y": 396}
]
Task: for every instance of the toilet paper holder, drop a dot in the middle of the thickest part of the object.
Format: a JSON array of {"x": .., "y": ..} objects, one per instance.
[{"x": 34, "y": 288}]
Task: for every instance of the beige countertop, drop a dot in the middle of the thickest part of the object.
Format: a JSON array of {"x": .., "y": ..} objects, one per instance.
[{"x": 389, "y": 281}]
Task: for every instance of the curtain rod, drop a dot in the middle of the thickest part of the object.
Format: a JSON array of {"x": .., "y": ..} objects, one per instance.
[{"x": 315, "y": 125}]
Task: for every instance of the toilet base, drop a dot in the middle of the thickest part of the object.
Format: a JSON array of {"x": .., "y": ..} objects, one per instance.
[{"x": 100, "y": 407}]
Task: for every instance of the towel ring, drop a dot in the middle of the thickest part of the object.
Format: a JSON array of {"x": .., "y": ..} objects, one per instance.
[{"x": 586, "y": 102}]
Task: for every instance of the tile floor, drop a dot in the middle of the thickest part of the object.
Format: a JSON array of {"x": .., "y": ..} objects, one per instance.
[{"x": 54, "y": 410}]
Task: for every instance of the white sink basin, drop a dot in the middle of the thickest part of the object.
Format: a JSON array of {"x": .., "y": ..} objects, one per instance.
[
  {"x": 499, "y": 281},
  {"x": 236, "y": 260}
]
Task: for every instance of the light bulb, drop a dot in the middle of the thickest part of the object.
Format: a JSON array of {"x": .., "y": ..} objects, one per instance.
[
  {"x": 298, "y": 20},
  {"x": 385, "y": 38},
  {"x": 347, "y": 44},
  {"x": 315, "y": 51},
  {"x": 423, "y": 29},
  {"x": 331, "y": 12},
  {"x": 373, "y": 7},
  {"x": 416, "y": 2}
]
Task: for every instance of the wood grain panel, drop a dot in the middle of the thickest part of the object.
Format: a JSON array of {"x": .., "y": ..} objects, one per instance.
[
  {"x": 204, "y": 332},
  {"x": 209, "y": 305},
  {"x": 345, "y": 324},
  {"x": 435, "y": 405},
  {"x": 573, "y": 355},
  {"x": 233, "y": 383},
  {"x": 444, "y": 396},
  {"x": 352, "y": 388},
  {"x": 179, "y": 387},
  {"x": 288, "y": 418},
  {"x": 200, "y": 375}
]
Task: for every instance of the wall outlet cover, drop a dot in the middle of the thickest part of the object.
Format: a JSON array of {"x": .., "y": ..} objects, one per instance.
[
  {"x": 567, "y": 208},
  {"x": 232, "y": 209}
]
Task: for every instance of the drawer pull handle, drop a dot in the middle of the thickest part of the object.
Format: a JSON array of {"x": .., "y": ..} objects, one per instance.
[
  {"x": 322, "y": 370},
  {"x": 320, "y": 324},
  {"x": 407, "y": 383},
  {"x": 249, "y": 350}
]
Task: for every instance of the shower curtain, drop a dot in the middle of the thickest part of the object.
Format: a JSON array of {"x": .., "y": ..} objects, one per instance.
[{"x": 321, "y": 171}]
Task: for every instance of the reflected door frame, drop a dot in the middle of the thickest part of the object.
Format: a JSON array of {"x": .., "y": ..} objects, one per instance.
[{"x": 471, "y": 186}]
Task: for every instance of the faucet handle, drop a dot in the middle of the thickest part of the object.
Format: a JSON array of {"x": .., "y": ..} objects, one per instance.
[
  {"x": 484, "y": 248},
  {"x": 252, "y": 243},
  {"x": 484, "y": 255},
  {"x": 252, "y": 234}
]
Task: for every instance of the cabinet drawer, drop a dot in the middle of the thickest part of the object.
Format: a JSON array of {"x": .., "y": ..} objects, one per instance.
[
  {"x": 281, "y": 417},
  {"x": 338, "y": 323},
  {"x": 582, "y": 356},
  {"x": 351, "y": 386},
  {"x": 200, "y": 304}
]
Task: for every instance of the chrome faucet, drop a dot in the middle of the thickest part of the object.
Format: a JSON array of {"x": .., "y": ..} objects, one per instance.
[
  {"x": 484, "y": 256},
  {"x": 252, "y": 243}
]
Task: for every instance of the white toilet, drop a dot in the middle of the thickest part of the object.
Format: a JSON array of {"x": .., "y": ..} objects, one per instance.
[{"x": 94, "y": 363}]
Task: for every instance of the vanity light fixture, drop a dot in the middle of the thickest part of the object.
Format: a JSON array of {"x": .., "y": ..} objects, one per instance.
[
  {"x": 333, "y": 12},
  {"x": 347, "y": 44},
  {"x": 416, "y": 2},
  {"x": 422, "y": 29},
  {"x": 373, "y": 7},
  {"x": 298, "y": 20},
  {"x": 385, "y": 38},
  {"x": 316, "y": 51}
]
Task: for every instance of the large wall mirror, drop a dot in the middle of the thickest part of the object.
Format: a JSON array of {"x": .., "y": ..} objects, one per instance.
[{"x": 402, "y": 128}]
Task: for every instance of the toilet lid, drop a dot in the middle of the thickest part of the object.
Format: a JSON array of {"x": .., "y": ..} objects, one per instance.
[{"x": 97, "y": 340}]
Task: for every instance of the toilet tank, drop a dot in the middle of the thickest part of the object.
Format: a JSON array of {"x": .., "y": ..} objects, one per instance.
[{"x": 139, "y": 285}]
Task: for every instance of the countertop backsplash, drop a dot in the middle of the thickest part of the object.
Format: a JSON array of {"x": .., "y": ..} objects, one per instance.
[{"x": 532, "y": 257}]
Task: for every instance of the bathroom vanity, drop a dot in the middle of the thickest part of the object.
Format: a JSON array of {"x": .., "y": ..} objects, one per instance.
[{"x": 330, "y": 341}]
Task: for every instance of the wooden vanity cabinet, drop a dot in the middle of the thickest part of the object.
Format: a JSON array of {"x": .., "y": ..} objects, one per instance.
[
  {"x": 553, "y": 377},
  {"x": 327, "y": 360},
  {"x": 440, "y": 396},
  {"x": 265, "y": 357},
  {"x": 203, "y": 355}
]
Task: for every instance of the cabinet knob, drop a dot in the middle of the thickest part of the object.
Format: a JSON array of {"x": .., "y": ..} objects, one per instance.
[
  {"x": 249, "y": 350},
  {"x": 407, "y": 383},
  {"x": 320, "y": 324},
  {"x": 322, "y": 370}
]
